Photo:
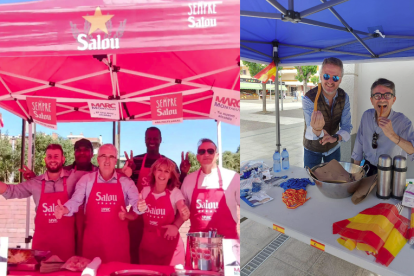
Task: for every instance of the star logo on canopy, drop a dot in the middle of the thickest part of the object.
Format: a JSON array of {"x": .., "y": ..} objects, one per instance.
[{"x": 98, "y": 21}]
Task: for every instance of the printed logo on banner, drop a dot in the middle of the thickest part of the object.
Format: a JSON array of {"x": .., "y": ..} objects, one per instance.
[
  {"x": 225, "y": 106},
  {"x": 43, "y": 111},
  {"x": 202, "y": 14},
  {"x": 95, "y": 22},
  {"x": 167, "y": 109},
  {"x": 104, "y": 109}
]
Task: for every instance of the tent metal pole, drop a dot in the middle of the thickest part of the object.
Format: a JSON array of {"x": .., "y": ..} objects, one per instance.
[
  {"x": 118, "y": 143},
  {"x": 321, "y": 7},
  {"x": 400, "y": 36},
  {"x": 22, "y": 155},
  {"x": 325, "y": 50},
  {"x": 329, "y": 26},
  {"x": 253, "y": 50},
  {"x": 278, "y": 6},
  {"x": 113, "y": 133},
  {"x": 219, "y": 144},
  {"x": 267, "y": 15},
  {"x": 290, "y": 5},
  {"x": 333, "y": 11},
  {"x": 275, "y": 58},
  {"x": 330, "y": 47},
  {"x": 397, "y": 51},
  {"x": 31, "y": 166}
]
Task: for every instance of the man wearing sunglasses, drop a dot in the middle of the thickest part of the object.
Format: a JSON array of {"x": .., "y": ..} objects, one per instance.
[
  {"x": 212, "y": 194},
  {"x": 106, "y": 194},
  {"x": 331, "y": 123},
  {"x": 382, "y": 130}
]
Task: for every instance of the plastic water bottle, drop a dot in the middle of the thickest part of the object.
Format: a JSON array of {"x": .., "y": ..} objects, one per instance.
[
  {"x": 285, "y": 159},
  {"x": 276, "y": 162}
]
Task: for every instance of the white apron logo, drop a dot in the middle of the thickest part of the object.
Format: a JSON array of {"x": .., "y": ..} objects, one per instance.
[
  {"x": 106, "y": 198},
  {"x": 206, "y": 205},
  {"x": 202, "y": 14},
  {"x": 48, "y": 209},
  {"x": 98, "y": 21},
  {"x": 53, "y": 220},
  {"x": 106, "y": 210},
  {"x": 155, "y": 211},
  {"x": 153, "y": 223}
]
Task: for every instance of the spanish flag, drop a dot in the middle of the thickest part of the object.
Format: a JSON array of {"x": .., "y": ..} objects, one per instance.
[
  {"x": 379, "y": 231},
  {"x": 268, "y": 73}
]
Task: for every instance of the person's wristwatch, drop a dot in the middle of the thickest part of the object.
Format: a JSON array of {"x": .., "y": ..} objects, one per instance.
[{"x": 336, "y": 136}]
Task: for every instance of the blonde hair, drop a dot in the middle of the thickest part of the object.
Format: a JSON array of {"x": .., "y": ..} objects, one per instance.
[{"x": 174, "y": 180}]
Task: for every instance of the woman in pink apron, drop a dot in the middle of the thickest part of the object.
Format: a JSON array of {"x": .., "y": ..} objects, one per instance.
[{"x": 161, "y": 243}]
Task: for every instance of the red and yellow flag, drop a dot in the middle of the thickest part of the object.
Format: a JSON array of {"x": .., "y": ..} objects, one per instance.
[
  {"x": 380, "y": 231},
  {"x": 268, "y": 73}
]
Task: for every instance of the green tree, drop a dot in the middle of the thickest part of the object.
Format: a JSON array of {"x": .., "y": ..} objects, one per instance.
[
  {"x": 238, "y": 149},
  {"x": 315, "y": 80},
  {"x": 41, "y": 142},
  {"x": 304, "y": 73},
  {"x": 193, "y": 161}
]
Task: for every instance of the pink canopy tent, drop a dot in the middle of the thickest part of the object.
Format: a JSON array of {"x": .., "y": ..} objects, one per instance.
[
  {"x": 117, "y": 51},
  {"x": 158, "y": 54}
]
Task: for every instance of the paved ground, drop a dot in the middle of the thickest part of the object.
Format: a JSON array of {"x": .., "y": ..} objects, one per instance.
[{"x": 258, "y": 140}]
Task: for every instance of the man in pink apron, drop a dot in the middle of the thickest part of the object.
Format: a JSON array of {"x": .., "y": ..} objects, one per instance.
[
  {"x": 82, "y": 165},
  {"x": 212, "y": 195},
  {"x": 106, "y": 193},
  {"x": 57, "y": 236},
  {"x": 143, "y": 164}
]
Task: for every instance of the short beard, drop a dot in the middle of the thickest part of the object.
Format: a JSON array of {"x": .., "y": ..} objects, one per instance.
[
  {"x": 329, "y": 93},
  {"x": 58, "y": 168}
]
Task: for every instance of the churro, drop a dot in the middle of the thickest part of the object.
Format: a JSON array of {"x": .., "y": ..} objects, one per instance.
[
  {"x": 315, "y": 104},
  {"x": 381, "y": 111}
]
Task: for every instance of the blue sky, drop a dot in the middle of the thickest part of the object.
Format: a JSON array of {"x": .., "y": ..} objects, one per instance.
[{"x": 175, "y": 137}]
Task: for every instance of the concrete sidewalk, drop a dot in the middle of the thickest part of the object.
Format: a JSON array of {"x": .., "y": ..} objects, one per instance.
[{"x": 258, "y": 141}]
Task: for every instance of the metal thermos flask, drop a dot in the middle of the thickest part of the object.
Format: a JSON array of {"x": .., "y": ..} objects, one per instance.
[
  {"x": 399, "y": 176},
  {"x": 384, "y": 176}
]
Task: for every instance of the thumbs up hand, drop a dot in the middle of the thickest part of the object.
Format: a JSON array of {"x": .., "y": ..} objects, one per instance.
[
  {"x": 60, "y": 210},
  {"x": 122, "y": 213},
  {"x": 183, "y": 209},
  {"x": 142, "y": 205}
]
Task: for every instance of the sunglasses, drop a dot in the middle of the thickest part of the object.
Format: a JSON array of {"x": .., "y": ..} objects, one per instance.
[
  {"x": 386, "y": 96},
  {"x": 203, "y": 151},
  {"x": 334, "y": 78},
  {"x": 374, "y": 140}
]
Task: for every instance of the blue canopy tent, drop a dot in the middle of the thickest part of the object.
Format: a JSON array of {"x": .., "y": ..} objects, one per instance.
[{"x": 291, "y": 32}]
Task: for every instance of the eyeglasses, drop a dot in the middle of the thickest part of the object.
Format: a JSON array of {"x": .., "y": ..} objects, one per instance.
[
  {"x": 111, "y": 157},
  {"x": 386, "y": 96},
  {"x": 374, "y": 140},
  {"x": 203, "y": 151},
  {"x": 334, "y": 78}
]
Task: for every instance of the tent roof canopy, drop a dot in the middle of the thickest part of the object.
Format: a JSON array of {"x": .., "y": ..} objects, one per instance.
[{"x": 306, "y": 32}]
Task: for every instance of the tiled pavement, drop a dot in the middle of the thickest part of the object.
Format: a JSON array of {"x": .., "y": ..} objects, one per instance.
[{"x": 257, "y": 139}]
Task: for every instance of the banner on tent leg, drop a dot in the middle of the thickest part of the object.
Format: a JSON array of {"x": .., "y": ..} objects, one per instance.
[
  {"x": 1, "y": 121},
  {"x": 225, "y": 106},
  {"x": 167, "y": 109},
  {"x": 231, "y": 253},
  {"x": 43, "y": 111},
  {"x": 103, "y": 109}
]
